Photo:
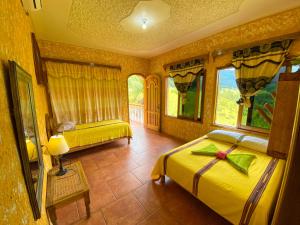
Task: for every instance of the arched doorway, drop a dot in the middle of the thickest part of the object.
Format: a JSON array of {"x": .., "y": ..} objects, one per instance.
[{"x": 136, "y": 88}]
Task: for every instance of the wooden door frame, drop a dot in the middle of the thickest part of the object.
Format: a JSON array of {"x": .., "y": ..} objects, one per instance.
[{"x": 160, "y": 99}]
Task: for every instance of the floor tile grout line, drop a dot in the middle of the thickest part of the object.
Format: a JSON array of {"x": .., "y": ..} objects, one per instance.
[
  {"x": 128, "y": 194},
  {"x": 111, "y": 191},
  {"x": 161, "y": 207},
  {"x": 137, "y": 177},
  {"x": 143, "y": 204},
  {"x": 104, "y": 217}
]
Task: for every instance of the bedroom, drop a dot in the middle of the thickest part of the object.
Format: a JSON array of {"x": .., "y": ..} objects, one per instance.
[{"x": 102, "y": 44}]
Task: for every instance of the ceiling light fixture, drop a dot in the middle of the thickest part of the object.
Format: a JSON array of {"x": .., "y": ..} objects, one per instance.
[
  {"x": 146, "y": 16},
  {"x": 144, "y": 23}
]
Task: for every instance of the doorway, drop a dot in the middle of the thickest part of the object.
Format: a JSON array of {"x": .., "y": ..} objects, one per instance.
[{"x": 136, "y": 88}]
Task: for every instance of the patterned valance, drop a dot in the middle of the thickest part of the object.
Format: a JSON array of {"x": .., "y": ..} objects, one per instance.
[
  {"x": 192, "y": 67},
  {"x": 256, "y": 67},
  {"x": 244, "y": 57},
  {"x": 184, "y": 74}
]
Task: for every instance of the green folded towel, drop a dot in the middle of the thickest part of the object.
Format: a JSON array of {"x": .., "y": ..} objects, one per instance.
[
  {"x": 210, "y": 150},
  {"x": 241, "y": 162}
]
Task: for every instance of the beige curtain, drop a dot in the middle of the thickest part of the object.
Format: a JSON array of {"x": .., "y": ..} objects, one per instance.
[
  {"x": 84, "y": 94},
  {"x": 257, "y": 66}
]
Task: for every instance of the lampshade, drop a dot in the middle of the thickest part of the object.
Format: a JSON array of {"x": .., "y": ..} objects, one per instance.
[
  {"x": 57, "y": 145},
  {"x": 31, "y": 150}
]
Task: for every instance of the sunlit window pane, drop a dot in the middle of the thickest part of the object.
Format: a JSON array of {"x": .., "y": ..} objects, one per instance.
[
  {"x": 295, "y": 68},
  {"x": 172, "y": 98},
  {"x": 228, "y": 93},
  {"x": 200, "y": 98}
]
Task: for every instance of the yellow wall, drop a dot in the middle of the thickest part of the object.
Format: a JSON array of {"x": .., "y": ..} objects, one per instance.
[
  {"x": 130, "y": 65},
  {"x": 273, "y": 26},
  {"x": 15, "y": 44}
]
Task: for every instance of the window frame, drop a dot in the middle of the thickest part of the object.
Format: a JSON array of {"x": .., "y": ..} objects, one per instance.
[
  {"x": 195, "y": 118},
  {"x": 216, "y": 93},
  {"x": 239, "y": 125}
]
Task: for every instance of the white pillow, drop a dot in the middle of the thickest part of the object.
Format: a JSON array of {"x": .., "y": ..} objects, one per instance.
[
  {"x": 227, "y": 136},
  {"x": 255, "y": 143},
  {"x": 66, "y": 126}
]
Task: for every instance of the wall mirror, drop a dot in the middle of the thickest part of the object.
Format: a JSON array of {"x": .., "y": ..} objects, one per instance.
[{"x": 27, "y": 135}]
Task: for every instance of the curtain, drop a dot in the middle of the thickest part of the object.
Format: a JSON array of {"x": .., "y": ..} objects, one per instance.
[
  {"x": 184, "y": 74},
  {"x": 84, "y": 94},
  {"x": 257, "y": 66}
]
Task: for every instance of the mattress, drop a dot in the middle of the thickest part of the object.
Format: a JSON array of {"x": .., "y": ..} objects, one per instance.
[
  {"x": 98, "y": 132},
  {"x": 238, "y": 197}
]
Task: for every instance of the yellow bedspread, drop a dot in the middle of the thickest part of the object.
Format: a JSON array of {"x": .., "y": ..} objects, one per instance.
[
  {"x": 92, "y": 133},
  {"x": 223, "y": 188}
]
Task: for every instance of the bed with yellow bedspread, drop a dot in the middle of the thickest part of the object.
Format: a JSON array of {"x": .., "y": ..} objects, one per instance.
[
  {"x": 238, "y": 197},
  {"x": 92, "y": 134}
]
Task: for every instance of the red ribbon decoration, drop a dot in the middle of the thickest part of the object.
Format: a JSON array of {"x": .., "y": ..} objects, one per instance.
[{"x": 221, "y": 155}]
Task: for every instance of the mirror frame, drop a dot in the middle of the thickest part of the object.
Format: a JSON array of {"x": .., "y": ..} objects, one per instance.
[{"x": 35, "y": 197}]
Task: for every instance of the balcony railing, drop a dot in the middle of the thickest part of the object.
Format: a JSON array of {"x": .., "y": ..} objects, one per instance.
[{"x": 136, "y": 112}]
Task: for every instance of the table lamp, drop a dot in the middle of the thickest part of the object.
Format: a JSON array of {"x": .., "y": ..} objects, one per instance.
[{"x": 57, "y": 147}]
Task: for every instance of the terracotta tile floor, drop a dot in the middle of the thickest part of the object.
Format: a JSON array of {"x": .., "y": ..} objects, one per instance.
[{"x": 121, "y": 191}]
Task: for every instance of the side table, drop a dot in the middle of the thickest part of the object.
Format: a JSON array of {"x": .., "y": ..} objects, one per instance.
[{"x": 62, "y": 190}]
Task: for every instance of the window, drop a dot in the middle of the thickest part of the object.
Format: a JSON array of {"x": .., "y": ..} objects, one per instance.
[
  {"x": 172, "y": 98},
  {"x": 192, "y": 107},
  {"x": 295, "y": 68},
  {"x": 227, "y": 95},
  {"x": 229, "y": 113}
]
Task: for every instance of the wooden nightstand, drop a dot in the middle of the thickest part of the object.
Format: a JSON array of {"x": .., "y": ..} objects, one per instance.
[{"x": 65, "y": 189}]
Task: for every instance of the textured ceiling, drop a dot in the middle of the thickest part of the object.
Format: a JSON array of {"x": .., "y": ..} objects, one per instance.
[
  {"x": 86, "y": 20},
  {"x": 100, "y": 23}
]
